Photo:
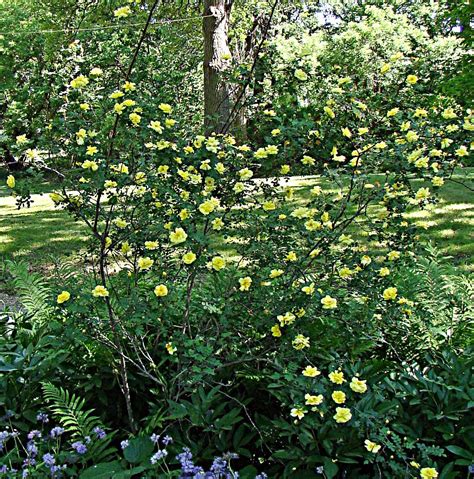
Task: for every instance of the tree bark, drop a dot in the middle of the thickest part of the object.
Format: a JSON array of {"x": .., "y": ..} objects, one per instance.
[{"x": 217, "y": 92}]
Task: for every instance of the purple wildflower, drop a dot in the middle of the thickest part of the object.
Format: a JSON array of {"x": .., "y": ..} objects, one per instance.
[
  {"x": 49, "y": 459},
  {"x": 158, "y": 456},
  {"x": 167, "y": 440},
  {"x": 79, "y": 447},
  {"x": 154, "y": 438},
  {"x": 124, "y": 444},
  {"x": 56, "y": 431},
  {"x": 99, "y": 432},
  {"x": 42, "y": 417},
  {"x": 33, "y": 434}
]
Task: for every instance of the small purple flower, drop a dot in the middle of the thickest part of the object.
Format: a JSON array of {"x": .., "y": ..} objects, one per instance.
[
  {"x": 25, "y": 474},
  {"x": 261, "y": 476},
  {"x": 79, "y": 447},
  {"x": 49, "y": 459},
  {"x": 3, "y": 469},
  {"x": 158, "y": 456},
  {"x": 42, "y": 417},
  {"x": 167, "y": 440},
  {"x": 56, "y": 431},
  {"x": 31, "y": 448},
  {"x": 87, "y": 439},
  {"x": 124, "y": 444},
  {"x": 33, "y": 434},
  {"x": 320, "y": 470},
  {"x": 154, "y": 438},
  {"x": 99, "y": 432}
]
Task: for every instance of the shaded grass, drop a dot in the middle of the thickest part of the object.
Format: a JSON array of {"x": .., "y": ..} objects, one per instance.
[
  {"x": 42, "y": 232},
  {"x": 38, "y": 233}
]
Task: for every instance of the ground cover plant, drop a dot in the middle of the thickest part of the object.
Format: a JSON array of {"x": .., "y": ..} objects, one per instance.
[{"x": 247, "y": 299}]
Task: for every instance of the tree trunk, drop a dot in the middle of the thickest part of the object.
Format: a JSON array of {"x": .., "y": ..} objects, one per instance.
[{"x": 217, "y": 92}]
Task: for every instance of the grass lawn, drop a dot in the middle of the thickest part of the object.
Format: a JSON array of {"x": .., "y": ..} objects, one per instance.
[{"x": 42, "y": 232}]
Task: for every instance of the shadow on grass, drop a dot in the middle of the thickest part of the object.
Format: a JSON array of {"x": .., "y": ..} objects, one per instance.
[{"x": 34, "y": 235}]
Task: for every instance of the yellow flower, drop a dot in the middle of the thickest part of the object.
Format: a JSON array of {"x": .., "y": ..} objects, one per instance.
[
  {"x": 336, "y": 377},
  {"x": 287, "y": 318},
  {"x": 313, "y": 400},
  {"x": 245, "y": 283},
  {"x": 151, "y": 245},
  {"x": 301, "y": 75},
  {"x": 161, "y": 290},
  {"x": 385, "y": 68},
  {"x": 311, "y": 372},
  {"x": 291, "y": 256},
  {"x": 100, "y": 292},
  {"x": 428, "y": 473},
  {"x": 298, "y": 412},
  {"x": 308, "y": 289},
  {"x": 91, "y": 150},
  {"x": 178, "y": 236},
  {"x": 207, "y": 207},
  {"x": 390, "y": 294},
  {"x": 217, "y": 224},
  {"x": 358, "y": 385},
  {"x": 275, "y": 132},
  {"x": 63, "y": 297},
  {"x": 11, "y": 181},
  {"x": 363, "y": 131},
  {"x": 189, "y": 257},
  {"x": 372, "y": 446},
  {"x": 329, "y": 112},
  {"x": 275, "y": 273},
  {"x": 90, "y": 165},
  {"x": 437, "y": 181},
  {"x": 239, "y": 187},
  {"x": 84, "y": 106},
  {"x": 411, "y": 136},
  {"x": 218, "y": 263},
  {"x": 393, "y": 255},
  {"x": 269, "y": 206},
  {"x": 422, "y": 194},
  {"x": 328, "y": 302},
  {"x": 276, "y": 331},
  {"x": 135, "y": 118},
  {"x": 285, "y": 169},
  {"x": 96, "y": 72},
  {"x": 462, "y": 151},
  {"x": 119, "y": 108},
  {"x": 365, "y": 260},
  {"x": 169, "y": 122},
  {"x": 384, "y": 272},
  {"x": 21, "y": 139},
  {"x": 308, "y": 160},
  {"x": 245, "y": 174},
  {"x": 122, "y": 12},
  {"x": 145, "y": 263},
  {"x": 170, "y": 348},
  {"x": 120, "y": 223},
  {"x": 165, "y": 108},
  {"x": 412, "y": 79},
  {"x": 129, "y": 86},
  {"x": 79, "y": 82},
  {"x": 156, "y": 126},
  {"x": 346, "y": 132},
  {"x": 338, "y": 397},
  {"x": 393, "y": 112},
  {"x": 300, "y": 342},
  {"x": 342, "y": 415}
]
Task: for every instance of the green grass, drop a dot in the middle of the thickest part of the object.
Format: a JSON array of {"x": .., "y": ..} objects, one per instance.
[{"x": 41, "y": 232}]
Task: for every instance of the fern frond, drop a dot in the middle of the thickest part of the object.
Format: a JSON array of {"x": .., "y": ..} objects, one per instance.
[
  {"x": 69, "y": 410},
  {"x": 32, "y": 289}
]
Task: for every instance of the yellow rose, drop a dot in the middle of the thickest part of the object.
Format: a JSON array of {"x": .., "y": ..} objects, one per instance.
[
  {"x": 63, "y": 297},
  {"x": 11, "y": 181},
  {"x": 358, "y": 385},
  {"x": 161, "y": 290},
  {"x": 338, "y": 397},
  {"x": 342, "y": 415},
  {"x": 100, "y": 292}
]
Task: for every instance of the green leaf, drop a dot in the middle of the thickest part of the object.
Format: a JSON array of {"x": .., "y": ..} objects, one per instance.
[
  {"x": 459, "y": 451},
  {"x": 139, "y": 449},
  {"x": 106, "y": 470}
]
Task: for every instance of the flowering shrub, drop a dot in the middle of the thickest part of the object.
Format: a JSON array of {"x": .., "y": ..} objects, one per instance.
[{"x": 216, "y": 280}]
